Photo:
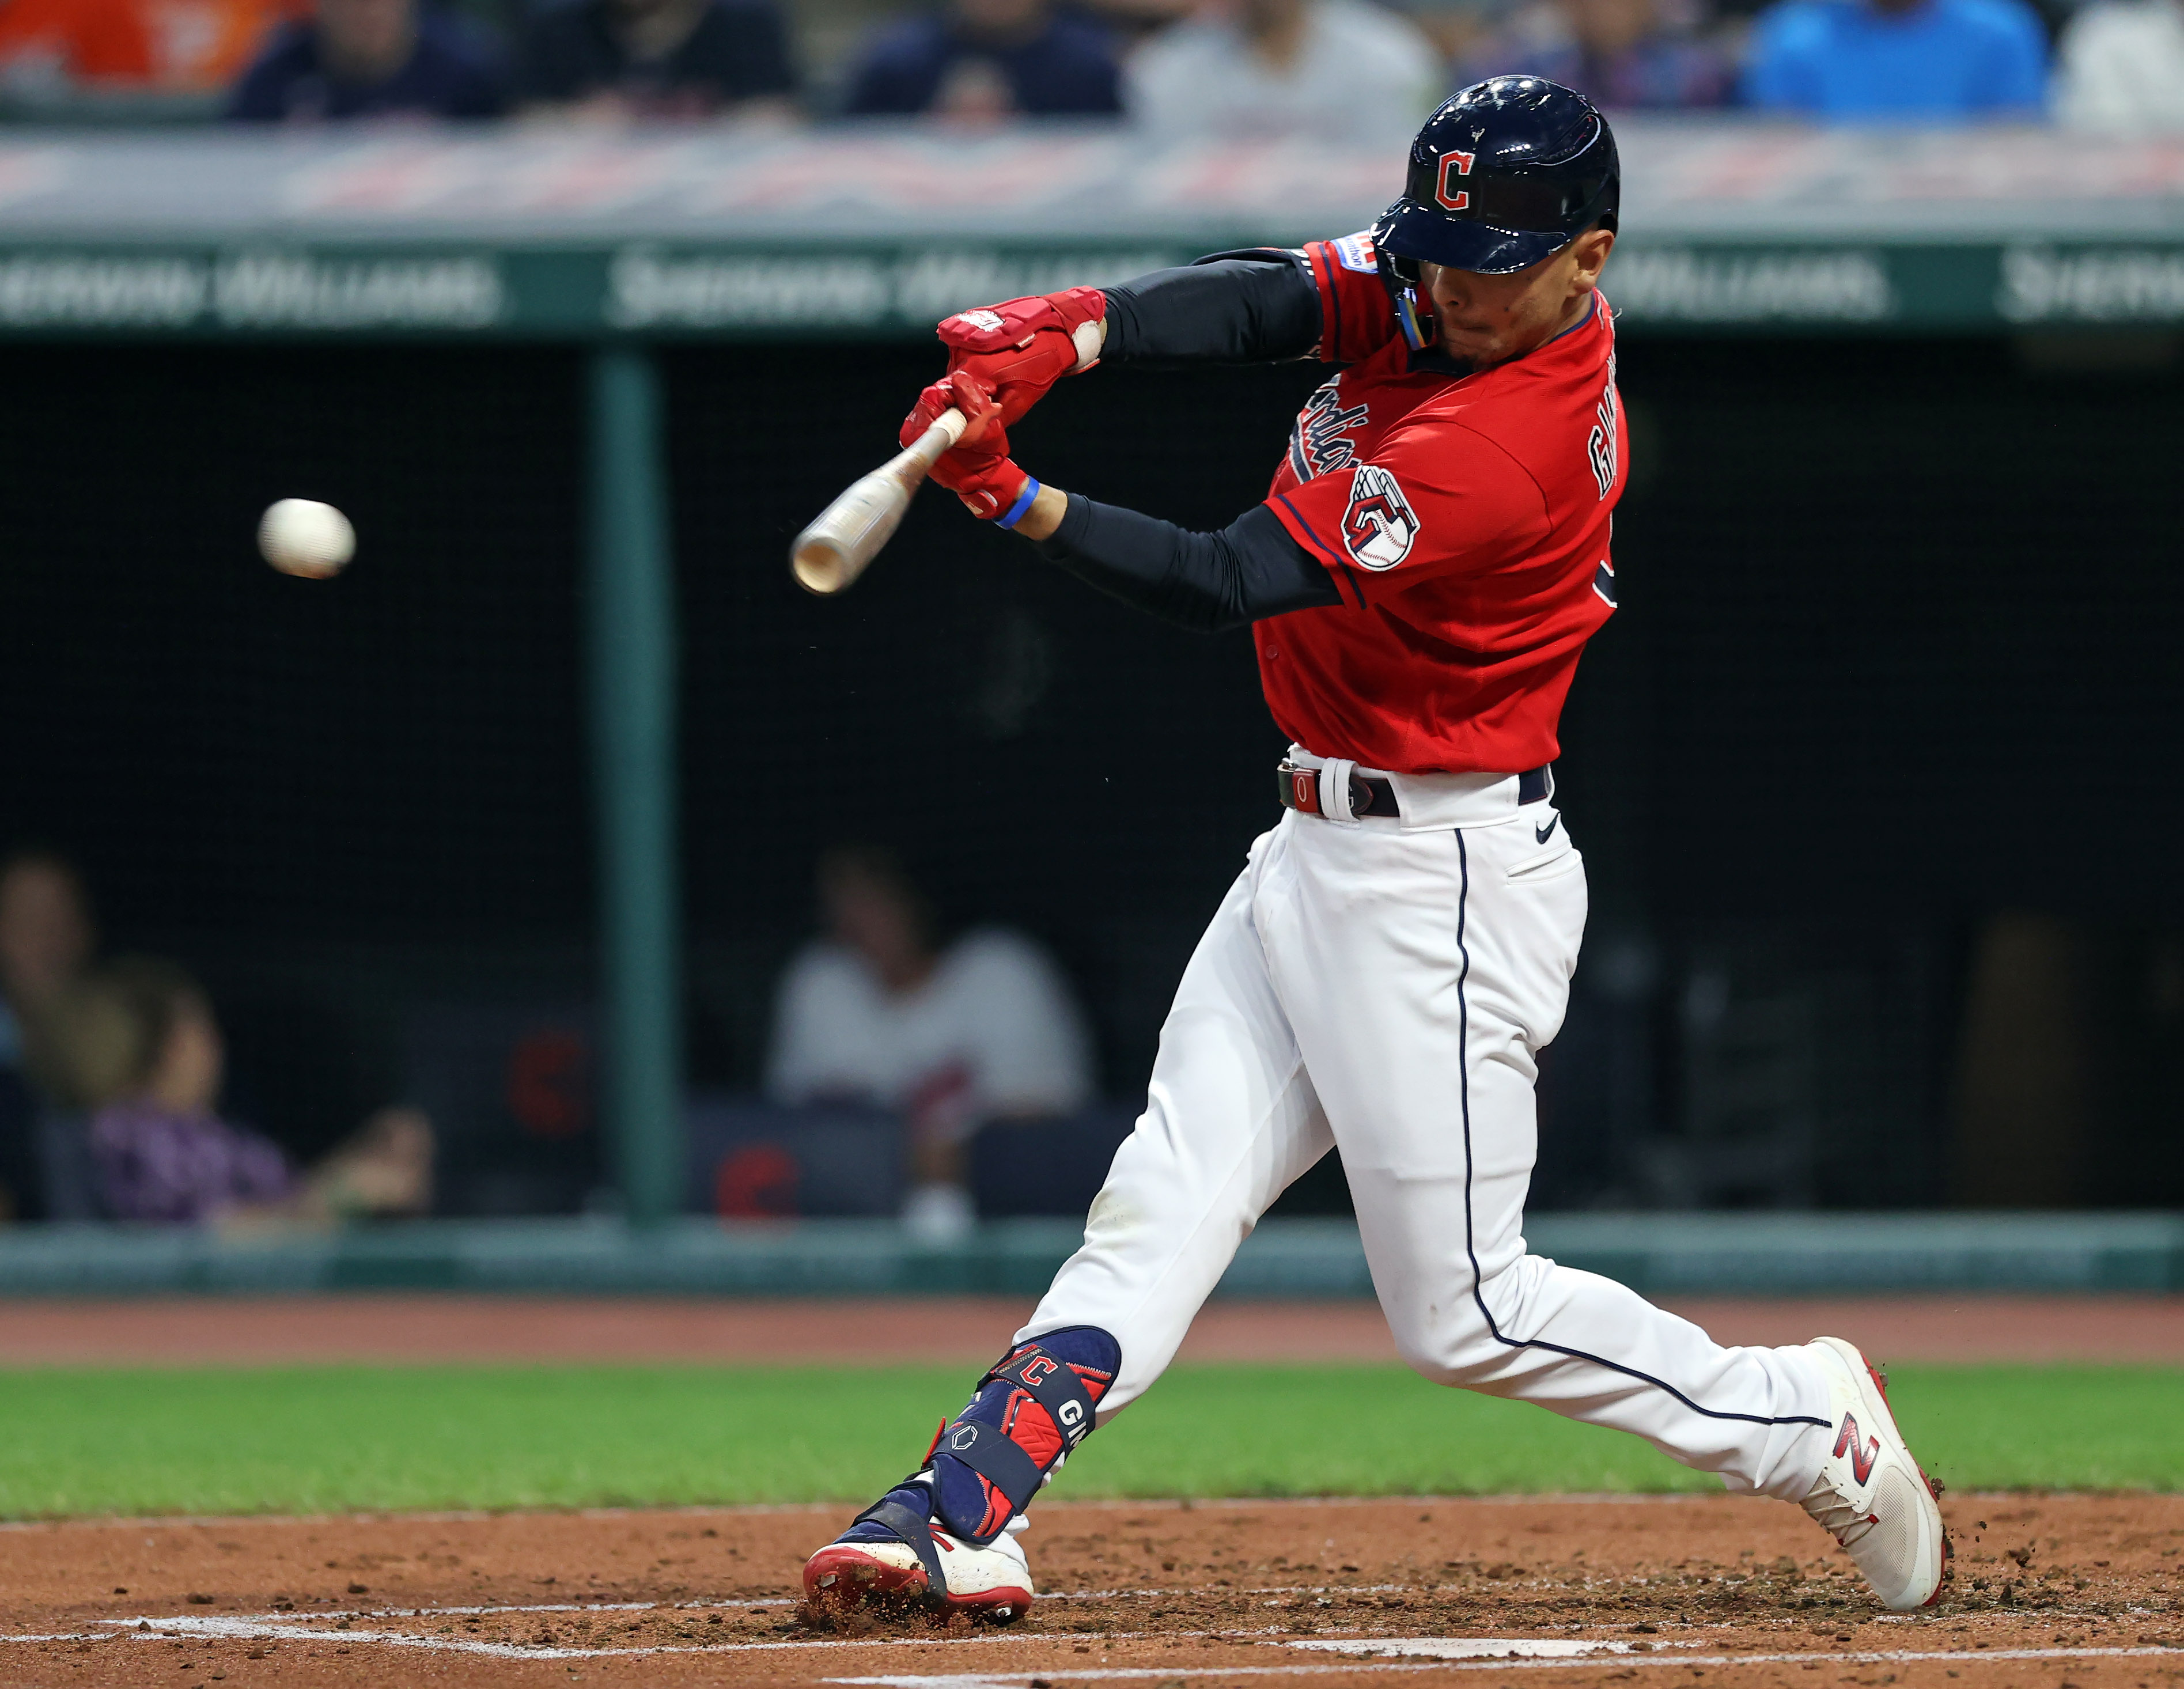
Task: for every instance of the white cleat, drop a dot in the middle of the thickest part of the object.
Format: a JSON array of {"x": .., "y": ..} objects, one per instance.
[
  {"x": 1871, "y": 1495},
  {"x": 992, "y": 1584}
]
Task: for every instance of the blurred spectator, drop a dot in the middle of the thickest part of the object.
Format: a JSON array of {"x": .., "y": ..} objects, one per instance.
[
  {"x": 1929, "y": 60},
  {"x": 877, "y": 1013},
  {"x": 988, "y": 60},
  {"x": 616, "y": 60},
  {"x": 112, "y": 46},
  {"x": 369, "y": 59},
  {"x": 47, "y": 938},
  {"x": 1459, "y": 29},
  {"x": 1619, "y": 53},
  {"x": 141, "y": 1044},
  {"x": 2121, "y": 69},
  {"x": 1331, "y": 71}
]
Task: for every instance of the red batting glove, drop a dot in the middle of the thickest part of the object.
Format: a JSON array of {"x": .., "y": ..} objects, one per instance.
[
  {"x": 976, "y": 469},
  {"x": 1020, "y": 348}
]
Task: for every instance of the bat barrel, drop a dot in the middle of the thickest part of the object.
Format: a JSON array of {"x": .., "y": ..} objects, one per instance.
[
  {"x": 849, "y": 534},
  {"x": 823, "y": 564},
  {"x": 841, "y": 542}
]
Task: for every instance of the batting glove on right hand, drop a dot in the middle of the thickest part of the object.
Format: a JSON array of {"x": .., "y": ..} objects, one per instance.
[
  {"x": 977, "y": 468},
  {"x": 1021, "y": 347}
]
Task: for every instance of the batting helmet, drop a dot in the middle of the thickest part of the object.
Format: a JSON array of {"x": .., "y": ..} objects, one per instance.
[{"x": 1508, "y": 172}]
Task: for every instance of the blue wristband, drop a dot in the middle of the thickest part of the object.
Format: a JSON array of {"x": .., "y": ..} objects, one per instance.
[{"x": 1022, "y": 505}]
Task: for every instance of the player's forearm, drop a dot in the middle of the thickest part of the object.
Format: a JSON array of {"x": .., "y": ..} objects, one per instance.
[
  {"x": 1234, "y": 307},
  {"x": 1207, "y": 581}
]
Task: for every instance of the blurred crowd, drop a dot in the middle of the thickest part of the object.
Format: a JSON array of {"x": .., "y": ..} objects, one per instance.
[
  {"x": 112, "y": 1073},
  {"x": 1338, "y": 70},
  {"x": 948, "y": 1036},
  {"x": 116, "y": 1101}
]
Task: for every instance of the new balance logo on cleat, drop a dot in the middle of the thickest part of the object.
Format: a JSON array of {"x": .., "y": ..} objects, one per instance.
[
  {"x": 1862, "y": 1457},
  {"x": 1870, "y": 1494}
]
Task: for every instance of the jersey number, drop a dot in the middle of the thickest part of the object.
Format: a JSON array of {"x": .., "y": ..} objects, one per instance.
[{"x": 1379, "y": 527}]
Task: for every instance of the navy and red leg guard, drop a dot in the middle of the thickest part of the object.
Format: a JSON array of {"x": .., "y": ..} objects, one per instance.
[{"x": 1029, "y": 1412}]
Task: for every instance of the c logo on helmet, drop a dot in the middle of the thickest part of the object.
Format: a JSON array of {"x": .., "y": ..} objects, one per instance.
[{"x": 1454, "y": 199}]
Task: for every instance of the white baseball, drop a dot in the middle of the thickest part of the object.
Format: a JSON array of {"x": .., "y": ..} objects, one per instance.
[{"x": 303, "y": 537}]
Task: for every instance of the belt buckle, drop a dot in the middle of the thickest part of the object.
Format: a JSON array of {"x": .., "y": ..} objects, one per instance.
[{"x": 1300, "y": 788}]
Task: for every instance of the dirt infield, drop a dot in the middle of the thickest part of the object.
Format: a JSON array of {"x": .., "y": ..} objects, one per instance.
[
  {"x": 213, "y": 1331},
  {"x": 2050, "y": 1591}
]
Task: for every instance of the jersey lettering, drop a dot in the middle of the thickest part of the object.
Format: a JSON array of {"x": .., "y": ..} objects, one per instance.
[
  {"x": 1318, "y": 439},
  {"x": 1378, "y": 527},
  {"x": 1600, "y": 445},
  {"x": 1454, "y": 198}
]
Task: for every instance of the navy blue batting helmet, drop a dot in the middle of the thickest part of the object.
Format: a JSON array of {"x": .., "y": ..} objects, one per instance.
[{"x": 1508, "y": 172}]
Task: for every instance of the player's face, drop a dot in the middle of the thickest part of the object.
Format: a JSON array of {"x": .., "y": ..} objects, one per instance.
[{"x": 1491, "y": 318}]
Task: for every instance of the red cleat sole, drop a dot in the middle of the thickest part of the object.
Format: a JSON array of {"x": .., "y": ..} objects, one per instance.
[{"x": 843, "y": 1578}]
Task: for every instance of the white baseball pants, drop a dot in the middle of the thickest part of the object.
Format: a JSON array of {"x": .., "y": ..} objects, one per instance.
[{"x": 1386, "y": 985}]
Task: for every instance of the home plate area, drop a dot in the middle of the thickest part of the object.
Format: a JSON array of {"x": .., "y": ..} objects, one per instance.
[{"x": 2049, "y": 1590}]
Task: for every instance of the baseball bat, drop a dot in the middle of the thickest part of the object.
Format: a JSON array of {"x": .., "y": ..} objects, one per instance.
[{"x": 845, "y": 537}]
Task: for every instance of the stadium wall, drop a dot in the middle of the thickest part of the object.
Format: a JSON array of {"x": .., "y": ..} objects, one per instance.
[{"x": 1895, "y": 634}]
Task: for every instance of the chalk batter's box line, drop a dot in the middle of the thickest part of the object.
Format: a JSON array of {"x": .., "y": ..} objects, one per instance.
[
  {"x": 309, "y": 1627},
  {"x": 1021, "y": 1679},
  {"x": 271, "y": 1628}
]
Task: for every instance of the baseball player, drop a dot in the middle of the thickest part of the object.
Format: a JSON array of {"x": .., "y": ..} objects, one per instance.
[{"x": 1428, "y": 562}]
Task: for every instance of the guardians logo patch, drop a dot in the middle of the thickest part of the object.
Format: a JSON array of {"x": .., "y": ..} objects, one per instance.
[{"x": 1378, "y": 527}]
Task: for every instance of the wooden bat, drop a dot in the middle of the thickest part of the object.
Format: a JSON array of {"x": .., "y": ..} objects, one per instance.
[{"x": 830, "y": 555}]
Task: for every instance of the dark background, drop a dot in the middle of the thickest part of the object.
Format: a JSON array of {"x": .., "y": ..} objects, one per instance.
[{"x": 1896, "y": 658}]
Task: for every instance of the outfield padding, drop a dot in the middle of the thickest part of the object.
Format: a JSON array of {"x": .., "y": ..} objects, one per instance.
[{"x": 1743, "y": 1254}]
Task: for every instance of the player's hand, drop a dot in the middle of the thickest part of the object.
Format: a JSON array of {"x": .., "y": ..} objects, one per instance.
[
  {"x": 976, "y": 469},
  {"x": 1021, "y": 347}
]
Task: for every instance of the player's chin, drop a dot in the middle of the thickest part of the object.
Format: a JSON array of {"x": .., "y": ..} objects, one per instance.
[{"x": 1472, "y": 345}]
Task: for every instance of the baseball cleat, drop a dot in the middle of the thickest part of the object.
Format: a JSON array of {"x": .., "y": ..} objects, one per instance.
[
  {"x": 1871, "y": 1495},
  {"x": 992, "y": 1584}
]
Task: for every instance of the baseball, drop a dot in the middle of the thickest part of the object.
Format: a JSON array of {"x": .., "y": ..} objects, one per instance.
[{"x": 303, "y": 537}]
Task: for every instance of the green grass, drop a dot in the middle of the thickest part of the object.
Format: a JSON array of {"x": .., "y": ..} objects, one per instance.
[{"x": 316, "y": 1439}]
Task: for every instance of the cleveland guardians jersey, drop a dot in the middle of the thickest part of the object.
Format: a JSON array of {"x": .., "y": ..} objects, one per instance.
[{"x": 1466, "y": 520}]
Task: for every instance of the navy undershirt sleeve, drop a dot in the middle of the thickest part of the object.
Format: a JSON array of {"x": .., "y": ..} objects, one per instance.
[
  {"x": 1254, "y": 307},
  {"x": 1207, "y": 581}
]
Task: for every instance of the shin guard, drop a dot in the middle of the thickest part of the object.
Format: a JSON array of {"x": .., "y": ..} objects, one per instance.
[{"x": 1029, "y": 1412}]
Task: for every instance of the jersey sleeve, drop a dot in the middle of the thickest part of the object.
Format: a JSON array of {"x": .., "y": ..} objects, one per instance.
[
  {"x": 1357, "y": 317},
  {"x": 1439, "y": 500},
  {"x": 1231, "y": 307}
]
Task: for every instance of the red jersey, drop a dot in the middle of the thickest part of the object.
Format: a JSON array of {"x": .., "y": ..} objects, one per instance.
[{"x": 1466, "y": 520}]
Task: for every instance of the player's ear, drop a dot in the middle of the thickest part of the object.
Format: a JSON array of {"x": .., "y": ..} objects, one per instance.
[{"x": 1591, "y": 250}]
